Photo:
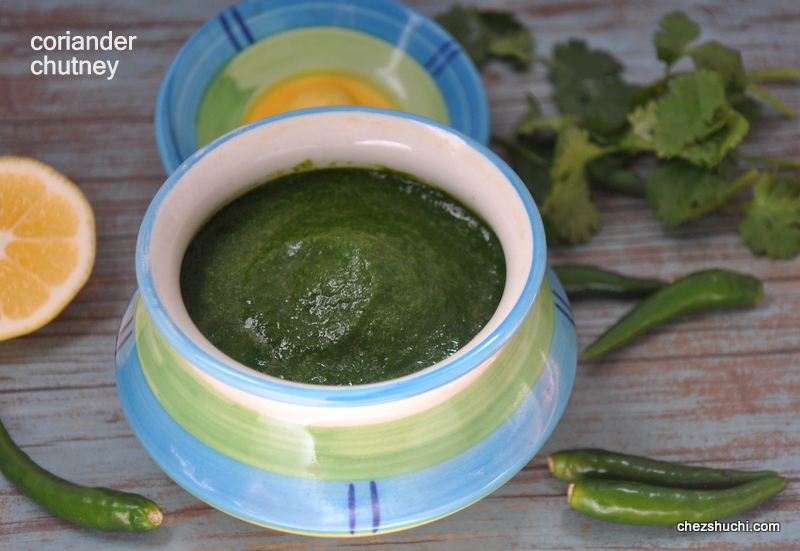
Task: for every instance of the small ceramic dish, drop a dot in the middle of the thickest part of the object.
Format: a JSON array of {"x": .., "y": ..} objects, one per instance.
[
  {"x": 344, "y": 460},
  {"x": 216, "y": 79}
]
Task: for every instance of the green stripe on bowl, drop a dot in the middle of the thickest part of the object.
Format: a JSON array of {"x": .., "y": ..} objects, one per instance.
[{"x": 363, "y": 452}]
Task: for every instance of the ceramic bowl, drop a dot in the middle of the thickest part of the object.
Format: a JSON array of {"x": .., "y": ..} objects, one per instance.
[
  {"x": 344, "y": 460},
  {"x": 252, "y": 45}
]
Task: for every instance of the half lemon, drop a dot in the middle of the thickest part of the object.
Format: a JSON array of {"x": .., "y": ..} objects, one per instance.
[{"x": 47, "y": 244}]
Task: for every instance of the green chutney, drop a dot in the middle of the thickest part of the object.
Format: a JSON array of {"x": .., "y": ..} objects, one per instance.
[{"x": 342, "y": 276}]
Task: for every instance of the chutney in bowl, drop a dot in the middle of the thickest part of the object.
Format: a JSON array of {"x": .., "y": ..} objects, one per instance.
[{"x": 341, "y": 460}]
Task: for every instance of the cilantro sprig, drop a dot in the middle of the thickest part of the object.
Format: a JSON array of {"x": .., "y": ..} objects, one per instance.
[
  {"x": 690, "y": 123},
  {"x": 771, "y": 224},
  {"x": 487, "y": 34}
]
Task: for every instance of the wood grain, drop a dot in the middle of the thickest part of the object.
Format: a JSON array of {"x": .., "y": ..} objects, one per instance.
[{"x": 718, "y": 388}]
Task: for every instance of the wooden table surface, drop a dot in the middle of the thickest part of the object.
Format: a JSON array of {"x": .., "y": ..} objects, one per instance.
[{"x": 719, "y": 388}]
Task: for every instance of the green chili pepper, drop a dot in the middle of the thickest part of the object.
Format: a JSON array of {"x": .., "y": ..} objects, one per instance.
[
  {"x": 574, "y": 465},
  {"x": 579, "y": 279},
  {"x": 629, "y": 502},
  {"x": 690, "y": 293},
  {"x": 100, "y": 508}
]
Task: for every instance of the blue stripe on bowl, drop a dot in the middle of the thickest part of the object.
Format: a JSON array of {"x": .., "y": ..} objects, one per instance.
[
  {"x": 224, "y": 22},
  {"x": 242, "y": 25},
  {"x": 441, "y": 51}
]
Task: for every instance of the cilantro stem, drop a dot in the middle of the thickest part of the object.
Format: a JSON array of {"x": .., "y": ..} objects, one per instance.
[
  {"x": 772, "y": 100},
  {"x": 736, "y": 186},
  {"x": 780, "y": 163},
  {"x": 520, "y": 150},
  {"x": 654, "y": 89},
  {"x": 778, "y": 73},
  {"x": 739, "y": 204}
]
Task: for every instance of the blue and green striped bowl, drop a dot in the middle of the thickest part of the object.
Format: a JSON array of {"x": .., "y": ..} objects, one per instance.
[
  {"x": 340, "y": 461},
  {"x": 260, "y": 42}
]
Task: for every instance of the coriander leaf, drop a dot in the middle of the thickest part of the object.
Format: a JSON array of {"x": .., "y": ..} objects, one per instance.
[
  {"x": 534, "y": 111},
  {"x": 573, "y": 58},
  {"x": 531, "y": 161},
  {"x": 771, "y": 225},
  {"x": 587, "y": 83},
  {"x": 693, "y": 109},
  {"x": 466, "y": 27},
  {"x": 713, "y": 148},
  {"x": 676, "y": 30},
  {"x": 677, "y": 187},
  {"x": 571, "y": 211},
  {"x": 606, "y": 111},
  {"x": 487, "y": 33},
  {"x": 724, "y": 61},
  {"x": 551, "y": 235},
  {"x": 613, "y": 172},
  {"x": 749, "y": 108},
  {"x": 642, "y": 121},
  {"x": 649, "y": 93},
  {"x": 509, "y": 39},
  {"x": 530, "y": 121},
  {"x": 573, "y": 151},
  {"x": 569, "y": 204},
  {"x": 694, "y": 120},
  {"x": 533, "y": 121},
  {"x": 531, "y": 156}
]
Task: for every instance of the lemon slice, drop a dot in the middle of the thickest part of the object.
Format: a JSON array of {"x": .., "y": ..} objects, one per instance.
[{"x": 47, "y": 244}]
